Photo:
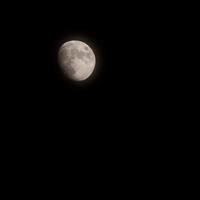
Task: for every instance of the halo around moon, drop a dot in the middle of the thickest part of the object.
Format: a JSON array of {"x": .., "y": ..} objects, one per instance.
[{"x": 77, "y": 60}]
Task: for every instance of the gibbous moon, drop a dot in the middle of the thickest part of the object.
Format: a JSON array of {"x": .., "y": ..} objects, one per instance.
[{"x": 77, "y": 60}]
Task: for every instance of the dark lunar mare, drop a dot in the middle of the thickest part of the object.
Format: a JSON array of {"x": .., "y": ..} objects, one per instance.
[{"x": 77, "y": 53}]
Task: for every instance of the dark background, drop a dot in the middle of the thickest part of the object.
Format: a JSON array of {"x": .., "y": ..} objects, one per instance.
[
  {"x": 123, "y": 114},
  {"x": 131, "y": 89},
  {"x": 118, "y": 131},
  {"x": 134, "y": 73}
]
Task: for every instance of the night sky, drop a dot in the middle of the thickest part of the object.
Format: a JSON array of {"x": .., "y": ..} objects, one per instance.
[
  {"x": 118, "y": 128},
  {"x": 126, "y": 96}
]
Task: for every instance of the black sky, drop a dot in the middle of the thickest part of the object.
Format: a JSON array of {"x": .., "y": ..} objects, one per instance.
[
  {"x": 118, "y": 132},
  {"x": 129, "y": 90}
]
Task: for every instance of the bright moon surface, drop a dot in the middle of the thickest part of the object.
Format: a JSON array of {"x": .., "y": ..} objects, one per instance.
[{"x": 77, "y": 60}]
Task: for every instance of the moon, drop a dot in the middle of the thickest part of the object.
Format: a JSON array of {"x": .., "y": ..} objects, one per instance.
[{"x": 76, "y": 60}]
